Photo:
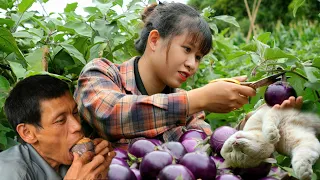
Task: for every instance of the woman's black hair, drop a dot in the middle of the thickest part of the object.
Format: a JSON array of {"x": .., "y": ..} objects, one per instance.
[{"x": 172, "y": 19}]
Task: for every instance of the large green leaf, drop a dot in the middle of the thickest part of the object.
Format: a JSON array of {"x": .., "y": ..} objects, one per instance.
[
  {"x": 264, "y": 38},
  {"x": 80, "y": 28},
  {"x": 73, "y": 52},
  {"x": 297, "y": 4},
  {"x": 4, "y": 4},
  {"x": 18, "y": 70},
  {"x": 228, "y": 19},
  {"x": 35, "y": 60},
  {"x": 316, "y": 62},
  {"x": 276, "y": 53},
  {"x": 62, "y": 59},
  {"x": 71, "y": 7},
  {"x": 8, "y": 44},
  {"x": 313, "y": 74},
  {"x": 18, "y": 18},
  {"x": 7, "y": 22},
  {"x": 41, "y": 24},
  {"x": 24, "y": 5},
  {"x": 4, "y": 85}
]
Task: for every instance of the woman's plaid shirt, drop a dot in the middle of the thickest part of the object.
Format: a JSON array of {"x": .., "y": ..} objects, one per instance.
[{"x": 110, "y": 101}]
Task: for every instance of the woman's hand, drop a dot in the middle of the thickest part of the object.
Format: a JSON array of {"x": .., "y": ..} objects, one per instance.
[
  {"x": 292, "y": 102},
  {"x": 219, "y": 97}
]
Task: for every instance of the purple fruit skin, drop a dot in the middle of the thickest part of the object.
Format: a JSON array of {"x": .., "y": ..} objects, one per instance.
[
  {"x": 193, "y": 133},
  {"x": 256, "y": 172},
  {"x": 121, "y": 154},
  {"x": 83, "y": 147},
  {"x": 200, "y": 164},
  {"x": 190, "y": 144},
  {"x": 227, "y": 177},
  {"x": 176, "y": 149},
  {"x": 137, "y": 173},
  {"x": 171, "y": 172},
  {"x": 153, "y": 163},
  {"x": 156, "y": 142},
  {"x": 117, "y": 172},
  {"x": 217, "y": 160},
  {"x": 277, "y": 92},
  {"x": 219, "y": 136},
  {"x": 141, "y": 147},
  {"x": 119, "y": 161}
]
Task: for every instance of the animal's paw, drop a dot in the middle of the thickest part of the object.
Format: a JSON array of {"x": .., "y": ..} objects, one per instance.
[
  {"x": 303, "y": 170},
  {"x": 271, "y": 133}
]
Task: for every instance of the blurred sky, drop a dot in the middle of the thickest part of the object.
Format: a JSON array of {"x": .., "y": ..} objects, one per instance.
[{"x": 59, "y": 5}]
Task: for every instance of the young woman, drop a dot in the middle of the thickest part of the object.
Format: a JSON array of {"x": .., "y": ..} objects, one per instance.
[{"x": 139, "y": 98}]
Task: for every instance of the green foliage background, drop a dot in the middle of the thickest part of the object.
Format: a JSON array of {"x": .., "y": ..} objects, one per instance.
[{"x": 67, "y": 41}]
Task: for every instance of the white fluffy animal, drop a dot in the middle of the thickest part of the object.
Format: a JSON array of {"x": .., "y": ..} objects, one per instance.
[{"x": 288, "y": 131}]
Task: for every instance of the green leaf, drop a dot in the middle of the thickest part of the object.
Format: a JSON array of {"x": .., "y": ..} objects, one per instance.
[
  {"x": 214, "y": 27},
  {"x": 18, "y": 70},
  {"x": 8, "y": 44},
  {"x": 8, "y": 22},
  {"x": 73, "y": 52},
  {"x": 96, "y": 50},
  {"x": 34, "y": 59},
  {"x": 62, "y": 59},
  {"x": 4, "y": 85},
  {"x": 313, "y": 74},
  {"x": 316, "y": 62},
  {"x": 4, "y": 129},
  {"x": 3, "y": 138},
  {"x": 71, "y": 7},
  {"x": 264, "y": 37},
  {"x": 41, "y": 24},
  {"x": 276, "y": 53},
  {"x": 228, "y": 19},
  {"x": 80, "y": 28},
  {"x": 92, "y": 10},
  {"x": 24, "y": 5},
  {"x": 297, "y": 4},
  {"x": 235, "y": 55},
  {"x": 22, "y": 34},
  {"x": 19, "y": 18},
  {"x": 4, "y": 4},
  {"x": 250, "y": 47}
]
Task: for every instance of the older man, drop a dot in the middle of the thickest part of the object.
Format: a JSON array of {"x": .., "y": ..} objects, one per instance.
[{"x": 45, "y": 116}]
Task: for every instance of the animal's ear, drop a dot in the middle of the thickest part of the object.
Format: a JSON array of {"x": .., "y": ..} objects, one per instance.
[{"x": 270, "y": 160}]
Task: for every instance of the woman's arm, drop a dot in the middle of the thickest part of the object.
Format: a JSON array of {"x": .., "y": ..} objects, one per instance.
[{"x": 103, "y": 102}]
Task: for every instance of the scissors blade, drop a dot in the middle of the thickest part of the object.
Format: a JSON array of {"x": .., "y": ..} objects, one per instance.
[{"x": 264, "y": 81}]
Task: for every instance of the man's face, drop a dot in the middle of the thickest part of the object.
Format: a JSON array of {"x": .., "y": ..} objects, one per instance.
[{"x": 60, "y": 130}]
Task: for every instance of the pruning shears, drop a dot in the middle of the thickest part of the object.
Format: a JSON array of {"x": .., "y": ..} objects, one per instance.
[{"x": 255, "y": 84}]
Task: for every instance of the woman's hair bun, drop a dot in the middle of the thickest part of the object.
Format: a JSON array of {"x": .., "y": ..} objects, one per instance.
[{"x": 147, "y": 11}]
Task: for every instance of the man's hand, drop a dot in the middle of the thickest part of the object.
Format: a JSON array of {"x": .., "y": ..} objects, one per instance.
[
  {"x": 104, "y": 148},
  {"x": 92, "y": 165}
]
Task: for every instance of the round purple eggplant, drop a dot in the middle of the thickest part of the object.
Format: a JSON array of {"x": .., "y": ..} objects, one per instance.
[
  {"x": 141, "y": 147},
  {"x": 277, "y": 92},
  {"x": 200, "y": 164},
  {"x": 175, "y": 171},
  {"x": 153, "y": 163},
  {"x": 219, "y": 136},
  {"x": 227, "y": 177},
  {"x": 176, "y": 149},
  {"x": 117, "y": 172},
  {"x": 193, "y": 133},
  {"x": 119, "y": 161}
]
